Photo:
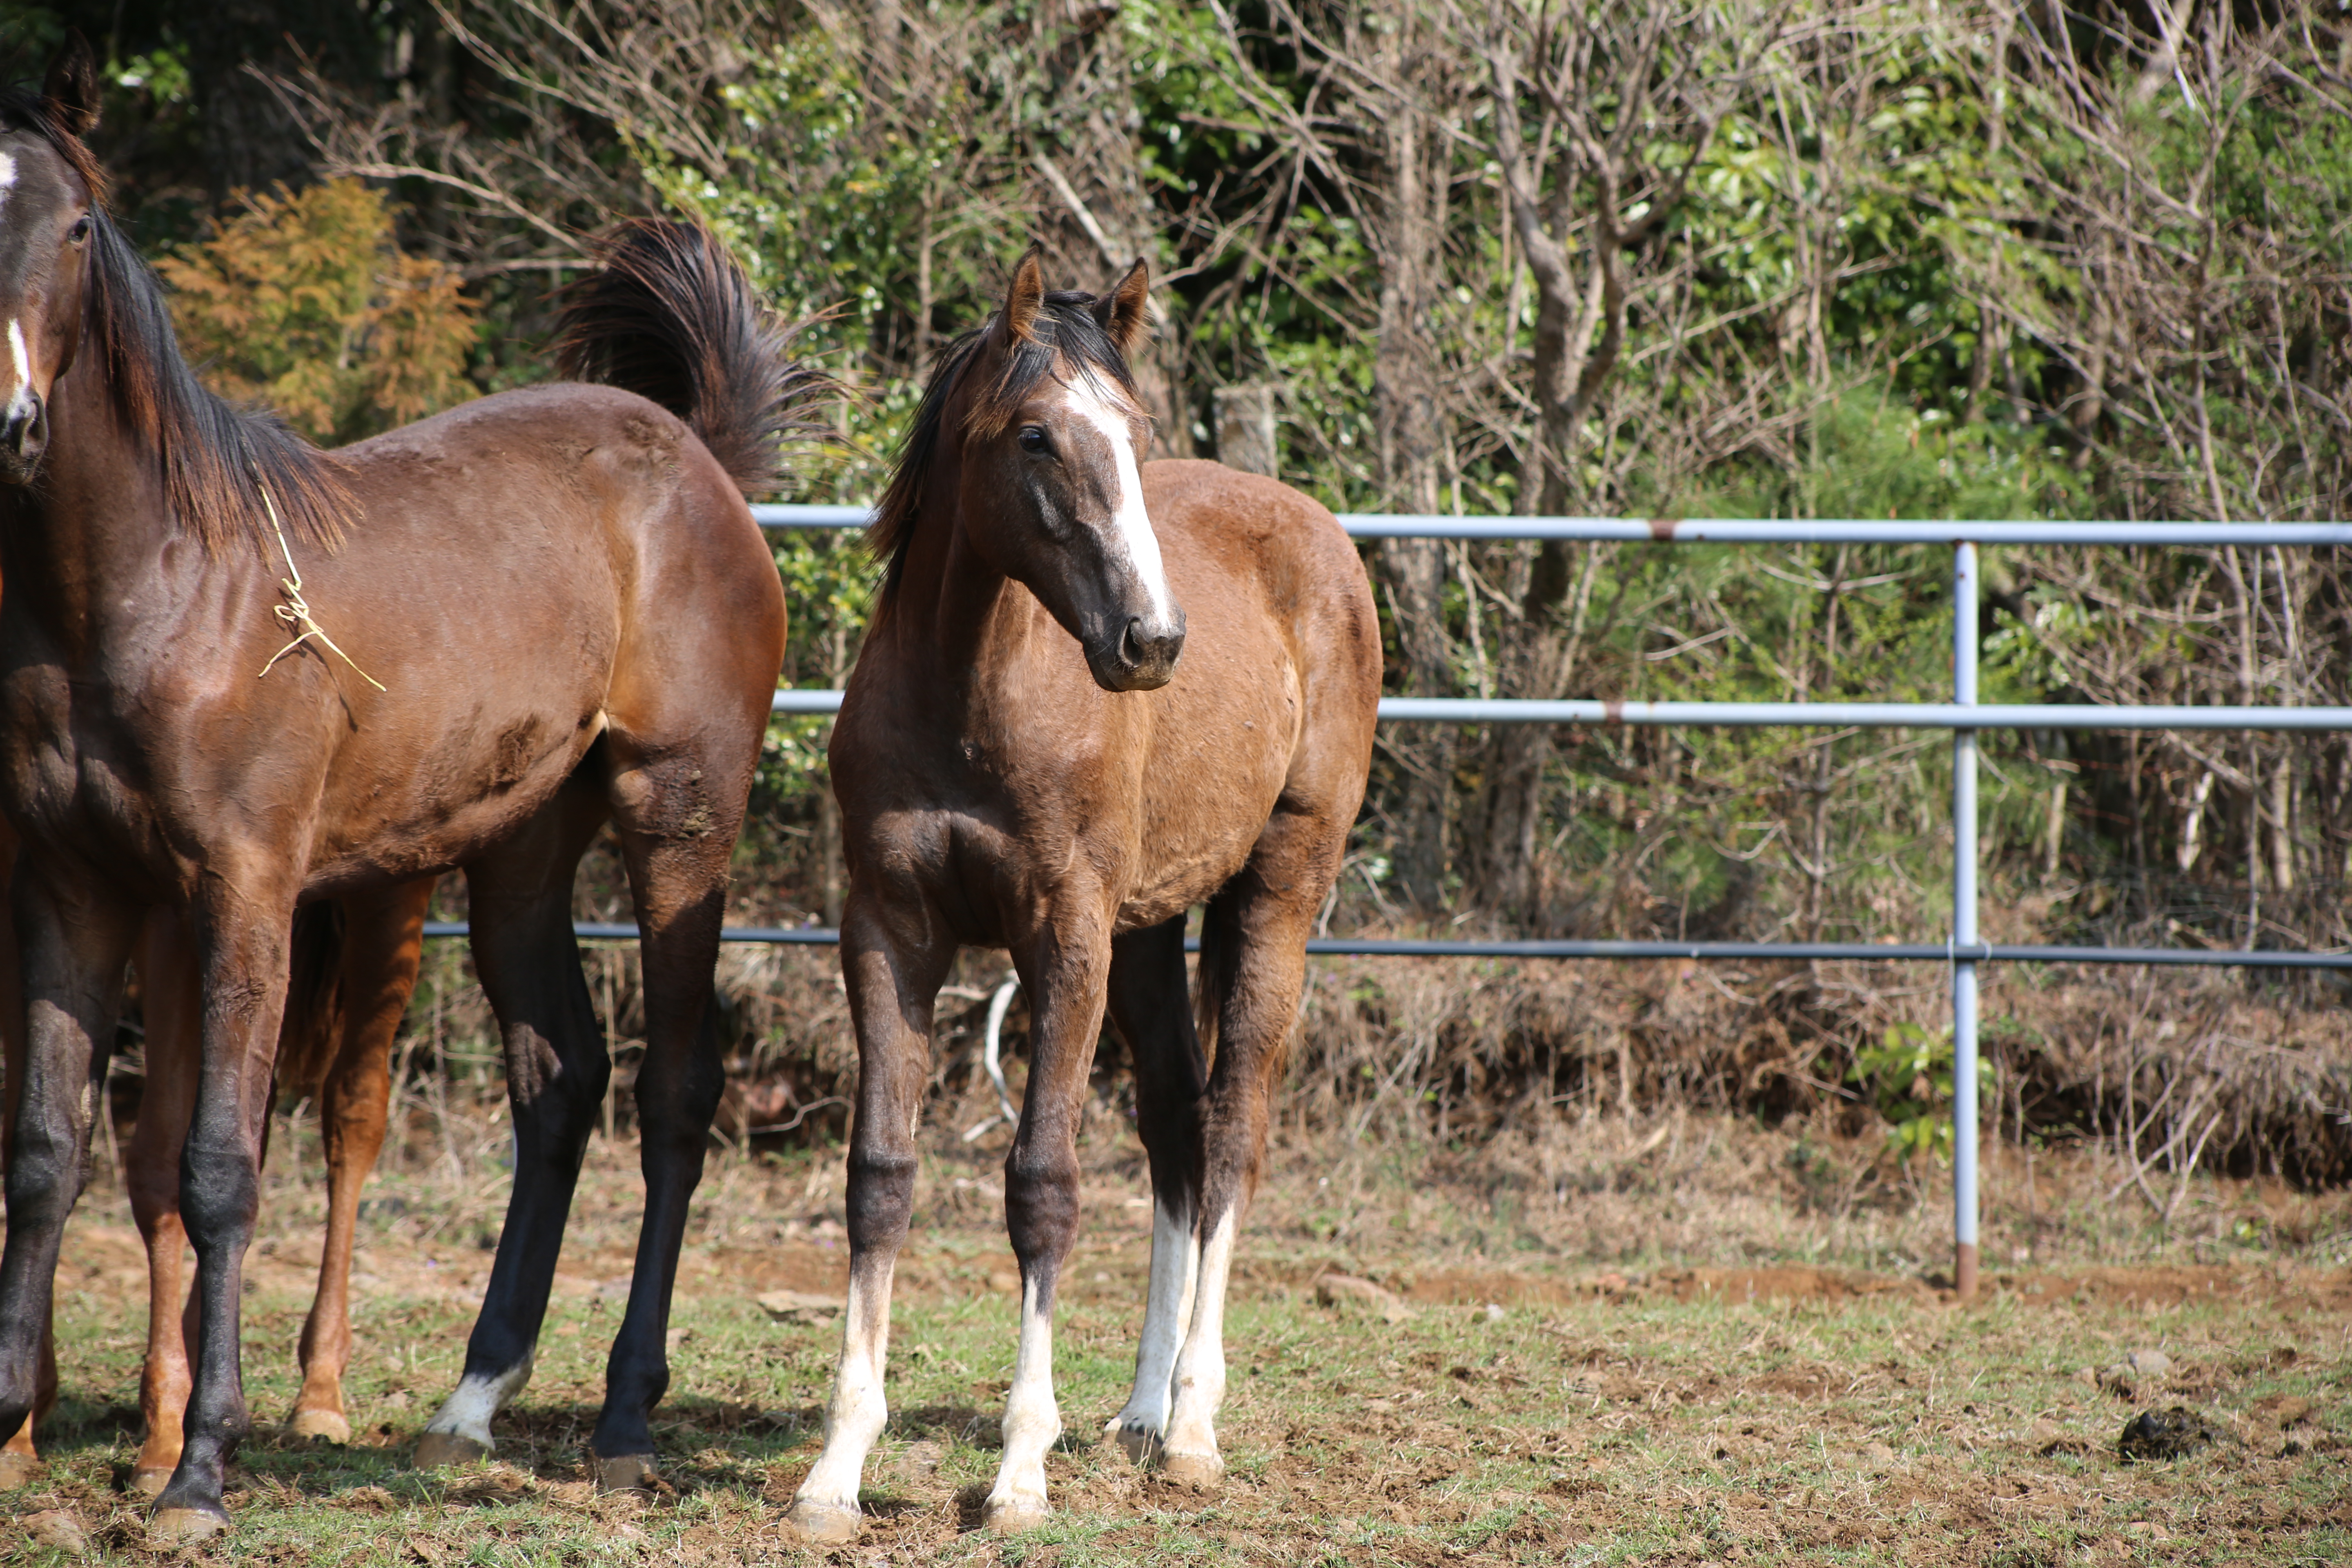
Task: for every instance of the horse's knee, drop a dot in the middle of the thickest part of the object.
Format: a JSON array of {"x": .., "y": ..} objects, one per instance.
[
  {"x": 677, "y": 1108},
  {"x": 565, "y": 1101},
  {"x": 881, "y": 1196},
  {"x": 44, "y": 1180},
  {"x": 1041, "y": 1200},
  {"x": 220, "y": 1189}
]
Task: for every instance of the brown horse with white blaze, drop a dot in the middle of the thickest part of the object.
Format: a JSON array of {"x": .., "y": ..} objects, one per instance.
[
  {"x": 1022, "y": 762},
  {"x": 565, "y": 616}
]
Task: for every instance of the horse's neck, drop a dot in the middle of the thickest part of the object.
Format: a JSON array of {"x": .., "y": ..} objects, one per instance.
[
  {"x": 949, "y": 606},
  {"x": 83, "y": 542}
]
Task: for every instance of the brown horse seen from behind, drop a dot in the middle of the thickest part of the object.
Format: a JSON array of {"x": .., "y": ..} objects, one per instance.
[
  {"x": 502, "y": 627},
  {"x": 1022, "y": 762}
]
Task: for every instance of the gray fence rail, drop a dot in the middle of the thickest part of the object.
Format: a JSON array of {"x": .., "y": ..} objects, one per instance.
[{"x": 1963, "y": 951}]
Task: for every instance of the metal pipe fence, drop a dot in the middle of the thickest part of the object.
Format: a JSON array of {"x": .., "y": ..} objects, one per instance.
[{"x": 1964, "y": 716}]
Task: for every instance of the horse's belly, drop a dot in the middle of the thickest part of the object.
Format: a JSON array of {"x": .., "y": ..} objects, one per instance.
[
  {"x": 409, "y": 806},
  {"x": 1172, "y": 887},
  {"x": 1197, "y": 839}
]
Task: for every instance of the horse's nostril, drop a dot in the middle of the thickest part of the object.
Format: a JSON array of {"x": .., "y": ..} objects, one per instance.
[
  {"x": 28, "y": 427},
  {"x": 1130, "y": 645}
]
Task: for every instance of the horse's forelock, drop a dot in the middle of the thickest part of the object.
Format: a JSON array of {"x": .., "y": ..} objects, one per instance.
[
  {"x": 1067, "y": 344},
  {"x": 21, "y": 110}
]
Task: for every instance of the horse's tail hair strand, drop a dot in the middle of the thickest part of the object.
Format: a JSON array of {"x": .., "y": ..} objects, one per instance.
[{"x": 671, "y": 316}]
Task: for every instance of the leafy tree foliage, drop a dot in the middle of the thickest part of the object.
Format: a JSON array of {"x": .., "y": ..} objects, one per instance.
[{"x": 301, "y": 301}]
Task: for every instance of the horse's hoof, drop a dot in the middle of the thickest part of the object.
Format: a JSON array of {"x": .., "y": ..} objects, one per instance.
[
  {"x": 17, "y": 1470},
  {"x": 627, "y": 1473},
  {"x": 150, "y": 1482},
  {"x": 1202, "y": 1472},
  {"x": 186, "y": 1526},
  {"x": 825, "y": 1523},
  {"x": 319, "y": 1427},
  {"x": 436, "y": 1450},
  {"x": 1007, "y": 1516},
  {"x": 1141, "y": 1443}
]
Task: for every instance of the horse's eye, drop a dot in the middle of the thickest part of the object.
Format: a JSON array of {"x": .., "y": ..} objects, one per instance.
[
  {"x": 1033, "y": 438},
  {"x": 80, "y": 230}
]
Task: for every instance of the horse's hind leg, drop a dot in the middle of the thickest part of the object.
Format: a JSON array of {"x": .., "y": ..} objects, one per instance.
[
  {"x": 1252, "y": 965},
  {"x": 520, "y": 901},
  {"x": 383, "y": 935},
  {"x": 676, "y": 810},
  {"x": 20, "y": 1461},
  {"x": 1153, "y": 1014}
]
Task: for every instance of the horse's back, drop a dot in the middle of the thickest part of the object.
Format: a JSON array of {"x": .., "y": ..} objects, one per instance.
[
  {"x": 1239, "y": 543},
  {"x": 531, "y": 569}
]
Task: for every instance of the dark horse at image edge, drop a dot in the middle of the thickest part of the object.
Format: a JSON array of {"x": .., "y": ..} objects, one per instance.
[{"x": 549, "y": 609}]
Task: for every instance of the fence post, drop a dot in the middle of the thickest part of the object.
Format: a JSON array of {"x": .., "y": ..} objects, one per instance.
[{"x": 1964, "y": 927}]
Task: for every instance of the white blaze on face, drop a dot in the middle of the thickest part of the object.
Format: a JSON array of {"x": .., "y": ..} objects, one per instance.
[
  {"x": 1130, "y": 525},
  {"x": 20, "y": 393},
  {"x": 17, "y": 358}
]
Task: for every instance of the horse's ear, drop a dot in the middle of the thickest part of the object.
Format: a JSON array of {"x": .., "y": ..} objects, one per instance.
[
  {"x": 1024, "y": 299},
  {"x": 72, "y": 87},
  {"x": 1125, "y": 312}
]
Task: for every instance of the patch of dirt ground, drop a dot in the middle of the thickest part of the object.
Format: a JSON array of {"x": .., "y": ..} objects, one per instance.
[{"x": 1491, "y": 1393}]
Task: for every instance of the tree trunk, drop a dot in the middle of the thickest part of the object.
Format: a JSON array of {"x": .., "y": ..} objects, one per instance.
[
  {"x": 1579, "y": 334},
  {"x": 1097, "y": 216},
  {"x": 1407, "y": 232}
]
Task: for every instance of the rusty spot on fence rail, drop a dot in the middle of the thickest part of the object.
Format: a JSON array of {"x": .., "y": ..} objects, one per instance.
[
  {"x": 1612, "y": 710},
  {"x": 1662, "y": 529}
]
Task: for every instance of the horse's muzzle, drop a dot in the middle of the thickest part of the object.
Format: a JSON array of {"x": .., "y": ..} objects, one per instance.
[
  {"x": 23, "y": 437},
  {"x": 1143, "y": 659}
]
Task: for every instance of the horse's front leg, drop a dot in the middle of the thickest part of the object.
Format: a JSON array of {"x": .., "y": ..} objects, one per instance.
[
  {"x": 1065, "y": 970},
  {"x": 20, "y": 1460},
  {"x": 893, "y": 971},
  {"x": 241, "y": 944},
  {"x": 73, "y": 944}
]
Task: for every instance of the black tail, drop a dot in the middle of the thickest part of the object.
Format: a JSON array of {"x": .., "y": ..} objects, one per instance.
[
  {"x": 671, "y": 316},
  {"x": 311, "y": 1033}
]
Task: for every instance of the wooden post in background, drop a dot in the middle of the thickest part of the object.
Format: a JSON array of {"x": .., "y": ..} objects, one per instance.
[{"x": 1245, "y": 429}]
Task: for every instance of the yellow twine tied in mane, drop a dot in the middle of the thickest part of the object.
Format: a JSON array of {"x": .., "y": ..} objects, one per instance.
[{"x": 296, "y": 610}]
